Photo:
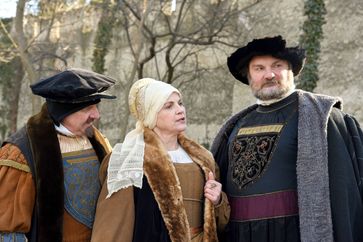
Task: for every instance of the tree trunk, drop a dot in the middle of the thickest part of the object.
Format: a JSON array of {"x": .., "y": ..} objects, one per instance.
[
  {"x": 25, "y": 56},
  {"x": 139, "y": 46},
  {"x": 14, "y": 93}
]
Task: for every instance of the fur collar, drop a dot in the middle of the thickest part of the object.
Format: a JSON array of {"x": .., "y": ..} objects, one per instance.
[
  {"x": 49, "y": 176},
  {"x": 312, "y": 166},
  {"x": 164, "y": 183}
]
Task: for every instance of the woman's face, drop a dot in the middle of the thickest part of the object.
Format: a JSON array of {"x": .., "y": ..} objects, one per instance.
[{"x": 171, "y": 119}]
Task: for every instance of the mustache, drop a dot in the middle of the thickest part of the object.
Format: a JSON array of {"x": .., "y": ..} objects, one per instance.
[{"x": 271, "y": 81}]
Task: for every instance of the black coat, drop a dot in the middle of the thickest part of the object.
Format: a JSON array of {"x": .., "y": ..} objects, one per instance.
[{"x": 345, "y": 168}]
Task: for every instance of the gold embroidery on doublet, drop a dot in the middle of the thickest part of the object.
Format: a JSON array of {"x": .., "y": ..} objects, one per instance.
[
  {"x": 276, "y": 128},
  {"x": 251, "y": 152}
]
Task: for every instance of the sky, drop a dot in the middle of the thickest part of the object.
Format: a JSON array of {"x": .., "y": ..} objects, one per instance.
[{"x": 7, "y": 8}]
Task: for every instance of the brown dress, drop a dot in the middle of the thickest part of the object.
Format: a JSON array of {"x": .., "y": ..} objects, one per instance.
[{"x": 193, "y": 195}]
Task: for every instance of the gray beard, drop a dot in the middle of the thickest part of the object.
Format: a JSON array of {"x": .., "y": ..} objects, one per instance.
[
  {"x": 275, "y": 93},
  {"x": 268, "y": 95}
]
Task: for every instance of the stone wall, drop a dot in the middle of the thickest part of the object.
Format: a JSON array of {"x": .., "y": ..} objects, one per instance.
[{"x": 340, "y": 64}]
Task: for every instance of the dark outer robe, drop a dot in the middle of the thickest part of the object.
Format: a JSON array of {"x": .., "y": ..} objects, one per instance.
[{"x": 344, "y": 141}]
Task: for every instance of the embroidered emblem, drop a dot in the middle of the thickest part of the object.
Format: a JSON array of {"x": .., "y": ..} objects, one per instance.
[
  {"x": 251, "y": 152},
  {"x": 81, "y": 185}
]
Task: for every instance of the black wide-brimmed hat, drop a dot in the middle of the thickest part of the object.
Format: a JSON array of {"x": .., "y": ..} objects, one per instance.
[
  {"x": 274, "y": 46},
  {"x": 71, "y": 90}
]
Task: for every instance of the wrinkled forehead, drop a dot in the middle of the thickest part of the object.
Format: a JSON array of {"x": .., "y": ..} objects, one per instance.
[{"x": 266, "y": 60}]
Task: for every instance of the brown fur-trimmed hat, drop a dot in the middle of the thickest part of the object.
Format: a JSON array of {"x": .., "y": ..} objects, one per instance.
[{"x": 274, "y": 46}]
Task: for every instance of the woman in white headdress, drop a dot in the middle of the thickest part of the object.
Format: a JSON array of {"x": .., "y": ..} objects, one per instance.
[{"x": 160, "y": 186}]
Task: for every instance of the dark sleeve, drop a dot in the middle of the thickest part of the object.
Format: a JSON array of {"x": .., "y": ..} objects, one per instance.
[
  {"x": 219, "y": 146},
  {"x": 345, "y": 176},
  {"x": 220, "y": 154},
  {"x": 356, "y": 135},
  {"x": 349, "y": 130}
]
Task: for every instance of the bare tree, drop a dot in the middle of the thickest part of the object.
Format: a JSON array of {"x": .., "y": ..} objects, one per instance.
[
  {"x": 31, "y": 54},
  {"x": 174, "y": 46},
  {"x": 10, "y": 81},
  {"x": 182, "y": 47}
]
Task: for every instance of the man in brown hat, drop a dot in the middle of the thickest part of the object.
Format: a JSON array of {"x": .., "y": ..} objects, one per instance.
[
  {"x": 292, "y": 164},
  {"x": 49, "y": 169}
]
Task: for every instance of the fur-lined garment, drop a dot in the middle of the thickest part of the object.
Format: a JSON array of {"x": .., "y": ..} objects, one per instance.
[
  {"x": 115, "y": 217},
  {"x": 43, "y": 148}
]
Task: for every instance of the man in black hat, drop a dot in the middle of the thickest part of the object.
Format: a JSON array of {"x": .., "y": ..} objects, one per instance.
[
  {"x": 292, "y": 164},
  {"x": 49, "y": 169}
]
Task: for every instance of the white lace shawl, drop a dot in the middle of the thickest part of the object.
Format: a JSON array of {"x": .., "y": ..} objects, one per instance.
[{"x": 147, "y": 96}]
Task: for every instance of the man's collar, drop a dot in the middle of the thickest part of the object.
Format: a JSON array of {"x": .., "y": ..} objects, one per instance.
[{"x": 63, "y": 130}]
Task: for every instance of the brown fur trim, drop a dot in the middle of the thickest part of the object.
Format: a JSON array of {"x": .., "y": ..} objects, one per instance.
[
  {"x": 49, "y": 176},
  {"x": 103, "y": 141},
  {"x": 100, "y": 144},
  {"x": 164, "y": 183}
]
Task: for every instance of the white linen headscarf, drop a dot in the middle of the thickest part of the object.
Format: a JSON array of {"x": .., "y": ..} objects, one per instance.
[{"x": 146, "y": 98}]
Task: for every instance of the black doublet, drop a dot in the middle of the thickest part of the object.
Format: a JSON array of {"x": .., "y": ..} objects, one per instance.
[
  {"x": 271, "y": 165},
  {"x": 262, "y": 151}
]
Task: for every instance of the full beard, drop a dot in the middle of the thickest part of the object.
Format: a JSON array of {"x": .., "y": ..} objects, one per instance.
[
  {"x": 277, "y": 91},
  {"x": 271, "y": 93}
]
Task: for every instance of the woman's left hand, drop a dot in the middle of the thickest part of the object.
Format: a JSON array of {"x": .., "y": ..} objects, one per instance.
[{"x": 213, "y": 189}]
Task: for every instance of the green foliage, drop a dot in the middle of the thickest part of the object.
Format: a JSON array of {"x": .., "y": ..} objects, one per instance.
[
  {"x": 103, "y": 38},
  {"x": 310, "y": 41}
]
